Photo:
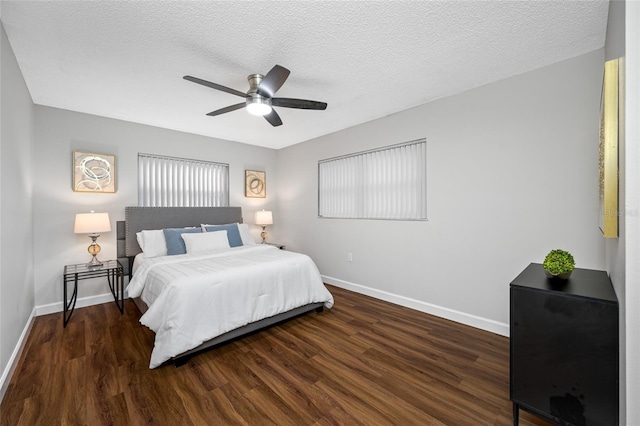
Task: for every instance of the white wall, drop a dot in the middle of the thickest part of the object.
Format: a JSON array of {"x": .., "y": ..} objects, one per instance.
[
  {"x": 615, "y": 247},
  {"x": 632, "y": 211},
  {"x": 59, "y": 132},
  {"x": 512, "y": 173},
  {"x": 16, "y": 245}
]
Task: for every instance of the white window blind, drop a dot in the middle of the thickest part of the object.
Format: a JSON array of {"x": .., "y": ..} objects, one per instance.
[
  {"x": 387, "y": 183},
  {"x": 179, "y": 182}
]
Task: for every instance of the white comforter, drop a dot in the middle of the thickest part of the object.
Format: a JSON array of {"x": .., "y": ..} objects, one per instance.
[{"x": 193, "y": 299}]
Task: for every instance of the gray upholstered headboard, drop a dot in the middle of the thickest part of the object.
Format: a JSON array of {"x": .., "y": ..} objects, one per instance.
[{"x": 143, "y": 218}]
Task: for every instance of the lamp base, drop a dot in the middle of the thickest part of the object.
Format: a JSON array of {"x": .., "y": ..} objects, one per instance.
[
  {"x": 94, "y": 262},
  {"x": 263, "y": 234},
  {"x": 94, "y": 249}
]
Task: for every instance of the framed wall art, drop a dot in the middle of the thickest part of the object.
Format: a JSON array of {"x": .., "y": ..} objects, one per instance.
[
  {"x": 255, "y": 184},
  {"x": 608, "y": 152},
  {"x": 94, "y": 172}
]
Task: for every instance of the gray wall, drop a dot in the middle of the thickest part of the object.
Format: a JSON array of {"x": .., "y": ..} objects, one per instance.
[
  {"x": 16, "y": 234},
  {"x": 512, "y": 173},
  {"x": 614, "y": 46},
  {"x": 59, "y": 132}
]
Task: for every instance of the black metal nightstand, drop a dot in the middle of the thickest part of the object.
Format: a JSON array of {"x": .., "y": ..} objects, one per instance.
[{"x": 112, "y": 269}]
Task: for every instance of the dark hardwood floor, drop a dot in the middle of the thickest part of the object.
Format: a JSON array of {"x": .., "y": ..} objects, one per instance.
[{"x": 363, "y": 362}]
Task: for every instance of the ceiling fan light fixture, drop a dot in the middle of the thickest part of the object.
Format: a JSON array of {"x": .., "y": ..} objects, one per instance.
[
  {"x": 260, "y": 99},
  {"x": 258, "y": 105}
]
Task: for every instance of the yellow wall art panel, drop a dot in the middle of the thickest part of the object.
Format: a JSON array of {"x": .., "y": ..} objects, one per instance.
[{"x": 608, "y": 158}]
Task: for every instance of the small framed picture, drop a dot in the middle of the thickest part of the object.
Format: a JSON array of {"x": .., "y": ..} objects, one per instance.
[
  {"x": 94, "y": 172},
  {"x": 255, "y": 184}
]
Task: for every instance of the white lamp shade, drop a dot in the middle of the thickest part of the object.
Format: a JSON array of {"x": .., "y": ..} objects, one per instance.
[
  {"x": 92, "y": 223},
  {"x": 264, "y": 218}
]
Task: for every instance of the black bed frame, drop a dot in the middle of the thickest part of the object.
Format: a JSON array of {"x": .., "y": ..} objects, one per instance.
[{"x": 145, "y": 218}]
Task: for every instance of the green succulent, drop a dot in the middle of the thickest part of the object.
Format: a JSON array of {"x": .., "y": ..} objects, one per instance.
[{"x": 558, "y": 262}]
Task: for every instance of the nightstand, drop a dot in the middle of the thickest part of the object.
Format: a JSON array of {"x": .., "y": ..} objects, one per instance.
[
  {"x": 280, "y": 246},
  {"x": 564, "y": 347},
  {"x": 112, "y": 269}
]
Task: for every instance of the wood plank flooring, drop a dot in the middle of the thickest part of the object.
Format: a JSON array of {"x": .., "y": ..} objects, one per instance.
[{"x": 364, "y": 362}]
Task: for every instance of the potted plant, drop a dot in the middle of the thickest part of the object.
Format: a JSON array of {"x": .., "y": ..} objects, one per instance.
[{"x": 559, "y": 264}]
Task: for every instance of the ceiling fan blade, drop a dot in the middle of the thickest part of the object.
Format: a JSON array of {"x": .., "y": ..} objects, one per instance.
[
  {"x": 227, "y": 109},
  {"x": 273, "y": 81},
  {"x": 273, "y": 118},
  {"x": 298, "y": 103},
  {"x": 215, "y": 86}
]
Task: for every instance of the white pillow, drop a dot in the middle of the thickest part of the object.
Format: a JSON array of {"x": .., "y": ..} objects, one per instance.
[
  {"x": 152, "y": 243},
  {"x": 205, "y": 242},
  {"x": 245, "y": 234}
]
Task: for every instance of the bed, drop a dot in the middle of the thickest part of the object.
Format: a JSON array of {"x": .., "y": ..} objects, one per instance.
[{"x": 205, "y": 297}]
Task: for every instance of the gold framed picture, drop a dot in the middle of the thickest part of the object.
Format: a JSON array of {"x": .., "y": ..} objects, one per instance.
[
  {"x": 255, "y": 184},
  {"x": 94, "y": 172},
  {"x": 608, "y": 158}
]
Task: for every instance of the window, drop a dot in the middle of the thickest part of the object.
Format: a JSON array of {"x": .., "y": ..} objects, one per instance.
[
  {"x": 179, "y": 182},
  {"x": 386, "y": 183}
]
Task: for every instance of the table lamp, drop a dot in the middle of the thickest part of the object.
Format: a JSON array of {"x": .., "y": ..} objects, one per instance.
[
  {"x": 263, "y": 218},
  {"x": 92, "y": 224}
]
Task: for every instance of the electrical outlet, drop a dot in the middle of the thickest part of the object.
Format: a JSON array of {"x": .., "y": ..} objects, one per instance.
[{"x": 349, "y": 257}]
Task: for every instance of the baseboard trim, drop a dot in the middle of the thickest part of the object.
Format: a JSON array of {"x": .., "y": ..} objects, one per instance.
[
  {"x": 15, "y": 356},
  {"x": 439, "y": 311},
  {"x": 82, "y": 302}
]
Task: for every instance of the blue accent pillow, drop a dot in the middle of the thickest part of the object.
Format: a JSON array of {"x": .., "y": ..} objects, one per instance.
[
  {"x": 233, "y": 234},
  {"x": 175, "y": 243}
]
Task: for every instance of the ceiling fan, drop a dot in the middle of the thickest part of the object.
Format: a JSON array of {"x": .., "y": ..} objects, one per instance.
[{"x": 259, "y": 99}]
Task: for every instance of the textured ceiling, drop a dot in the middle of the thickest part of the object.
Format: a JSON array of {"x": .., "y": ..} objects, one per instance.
[{"x": 126, "y": 60}]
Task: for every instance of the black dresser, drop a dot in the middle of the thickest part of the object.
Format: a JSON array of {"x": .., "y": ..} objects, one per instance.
[{"x": 564, "y": 347}]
